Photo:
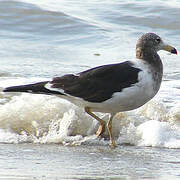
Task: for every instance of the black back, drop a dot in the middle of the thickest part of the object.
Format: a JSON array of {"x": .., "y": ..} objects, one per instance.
[{"x": 98, "y": 84}]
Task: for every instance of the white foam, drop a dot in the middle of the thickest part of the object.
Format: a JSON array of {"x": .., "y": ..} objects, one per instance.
[
  {"x": 45, "y": 118},
  {"x": 174, "y": 115},
  {"x": 158, "y": 134},
  {"x": 48, "y": 119},
  {"x": 6, "y": 136}
]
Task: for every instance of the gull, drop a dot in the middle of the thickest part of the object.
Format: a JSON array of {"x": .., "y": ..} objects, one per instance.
[{"x": 110, "y": 88}]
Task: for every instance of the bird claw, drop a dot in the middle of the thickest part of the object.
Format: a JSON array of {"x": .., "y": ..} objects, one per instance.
[
  {"x": 100, "y": 130},
  {"x": 112, "y": 145}
]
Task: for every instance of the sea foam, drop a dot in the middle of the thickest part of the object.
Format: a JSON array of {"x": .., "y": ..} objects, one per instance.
[{"x": 49, "y": 119}]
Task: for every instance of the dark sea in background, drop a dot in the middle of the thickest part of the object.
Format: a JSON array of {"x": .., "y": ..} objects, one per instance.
[{"x": 44, "y": 137}]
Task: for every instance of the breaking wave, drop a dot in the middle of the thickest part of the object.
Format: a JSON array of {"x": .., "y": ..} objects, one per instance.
[{"x": 27, "y": 118}]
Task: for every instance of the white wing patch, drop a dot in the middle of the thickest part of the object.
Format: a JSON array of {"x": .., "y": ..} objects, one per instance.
[{"x": 49, "y": 87}]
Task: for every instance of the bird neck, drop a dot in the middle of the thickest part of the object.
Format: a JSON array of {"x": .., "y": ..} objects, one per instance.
[
  {"x": 146, "y": 54},
  {"x": 151, "y": 57}
]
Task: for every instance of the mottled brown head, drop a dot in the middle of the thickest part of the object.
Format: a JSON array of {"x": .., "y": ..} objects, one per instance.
[{"x": 149, "y": 43}]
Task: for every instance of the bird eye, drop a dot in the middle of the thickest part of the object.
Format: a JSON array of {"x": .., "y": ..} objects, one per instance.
[{"x": 158, "y": 40}]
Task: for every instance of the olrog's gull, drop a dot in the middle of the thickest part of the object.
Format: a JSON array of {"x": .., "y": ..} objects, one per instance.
[{"x": 110, "y": 88}]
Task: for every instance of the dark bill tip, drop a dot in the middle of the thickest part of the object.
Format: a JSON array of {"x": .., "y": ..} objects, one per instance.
[{"x": 174, "y": 51}]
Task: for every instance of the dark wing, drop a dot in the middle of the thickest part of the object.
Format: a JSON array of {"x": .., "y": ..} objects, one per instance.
[
  {"x": 36, "y": 88},
  {"x": 98, "y": 84}
]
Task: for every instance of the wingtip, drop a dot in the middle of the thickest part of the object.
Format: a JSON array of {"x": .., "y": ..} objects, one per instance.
[
  {"x": 7, "y": 89},
  {"x": 174, "y": 51}
]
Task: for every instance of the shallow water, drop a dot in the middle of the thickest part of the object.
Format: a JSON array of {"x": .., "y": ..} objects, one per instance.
[
  {"x": 42, "y": 39},
  {"x": 29, "y": 161}
]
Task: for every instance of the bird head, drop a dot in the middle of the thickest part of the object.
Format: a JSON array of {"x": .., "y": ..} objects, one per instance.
[{"x": 151, "y": 41}]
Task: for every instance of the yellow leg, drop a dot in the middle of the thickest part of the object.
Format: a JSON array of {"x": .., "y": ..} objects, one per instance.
[
  {"x": 109, "y": 128},
  {"x": 101, "y": 128}
]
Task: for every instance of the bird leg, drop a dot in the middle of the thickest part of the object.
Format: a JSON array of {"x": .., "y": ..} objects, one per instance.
[
  {"x": 101, "y": 128},
  {"x": 109, "y": 128}
]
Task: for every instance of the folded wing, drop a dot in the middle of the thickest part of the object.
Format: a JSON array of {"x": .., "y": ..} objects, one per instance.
[{"x": 97, "y": 84}]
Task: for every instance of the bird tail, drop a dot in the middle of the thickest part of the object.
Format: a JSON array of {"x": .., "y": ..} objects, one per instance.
[{"x": 36, "y": 88}]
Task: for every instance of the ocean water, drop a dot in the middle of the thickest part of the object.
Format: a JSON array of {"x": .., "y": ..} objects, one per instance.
[{"x": 45, "y": 137}]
